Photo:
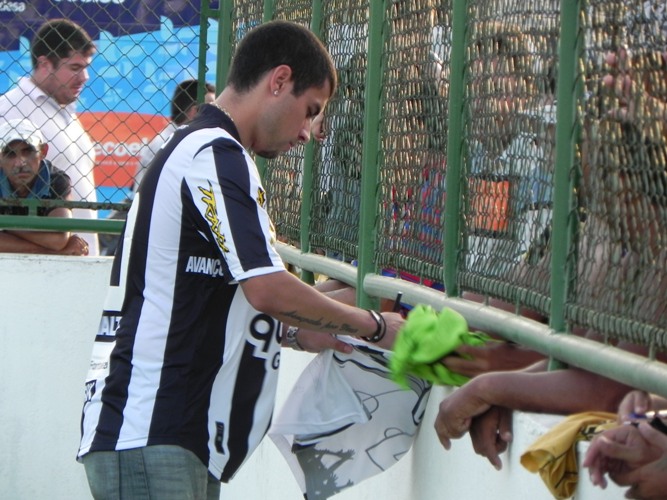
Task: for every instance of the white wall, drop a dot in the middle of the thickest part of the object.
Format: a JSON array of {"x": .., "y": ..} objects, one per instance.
[{"x": 49, "y": 311}]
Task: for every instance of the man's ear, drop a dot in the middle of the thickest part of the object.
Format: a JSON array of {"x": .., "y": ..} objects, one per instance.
[
  {"x": 280, "y": 76},
  {"x": 43, "y": 149},
  {"x": 44, "y": 63},
  {"x": 191, "y": 112}
]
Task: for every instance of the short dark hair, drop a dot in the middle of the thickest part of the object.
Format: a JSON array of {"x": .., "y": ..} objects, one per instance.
[
  {"x": 57, "y": 39},
  {"x": 282, "y": 42},
  {"x": 185, "y": 96}
]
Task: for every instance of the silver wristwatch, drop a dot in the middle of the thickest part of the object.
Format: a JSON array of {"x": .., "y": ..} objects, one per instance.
[{"x": 291, "y": 340}]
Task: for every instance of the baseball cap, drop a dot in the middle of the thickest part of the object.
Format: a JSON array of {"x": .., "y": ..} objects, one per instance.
[{"x": 20, "y": 129}]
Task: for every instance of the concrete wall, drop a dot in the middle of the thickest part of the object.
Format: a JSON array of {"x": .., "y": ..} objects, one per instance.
[{"x": 49, "y": 310}]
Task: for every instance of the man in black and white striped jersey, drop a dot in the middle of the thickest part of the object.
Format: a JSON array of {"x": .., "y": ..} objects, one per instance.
[{"x": 182, "y": 379}]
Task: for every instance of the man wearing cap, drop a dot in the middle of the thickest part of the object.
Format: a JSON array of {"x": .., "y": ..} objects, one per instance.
[
  {"x": 61, "y": 52},
  {"x": 26, "y": 174}
]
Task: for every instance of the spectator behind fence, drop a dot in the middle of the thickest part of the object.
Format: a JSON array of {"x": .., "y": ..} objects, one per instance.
[
  {"x": 61, "y": 52},
  {"x": 483, "y": 406},
  {"x": 424, "y": 112},
  {"x": 184, "y": 107},
  {"x": 184, "y": 367},
  {"x": 633, "y": 455},
  {"x": 510, "y": 149},
  {"x": 26, "y": 174}
]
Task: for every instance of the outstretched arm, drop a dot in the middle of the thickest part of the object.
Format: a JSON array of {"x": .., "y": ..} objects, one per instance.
[
  {"x": 634, "y": 100},
  {"x": 301, "y": 305},
  {"x": 472, "y": 361},
  {"x": 561, "y": 391}
]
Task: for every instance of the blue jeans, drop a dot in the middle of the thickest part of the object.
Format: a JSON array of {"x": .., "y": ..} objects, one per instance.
[{"x": 161, "y": 472}]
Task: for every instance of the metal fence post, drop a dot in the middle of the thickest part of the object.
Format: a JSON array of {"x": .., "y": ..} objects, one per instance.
[
  {"x": 370, "y": 152},
  {"x": 563, "y": 269},
  {"x": 452, "y": 219}
]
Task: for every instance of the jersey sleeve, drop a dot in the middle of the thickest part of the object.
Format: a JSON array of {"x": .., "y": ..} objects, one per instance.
[{"x": 225, "y": 188}]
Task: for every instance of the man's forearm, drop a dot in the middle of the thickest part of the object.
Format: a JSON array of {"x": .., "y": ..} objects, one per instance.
[
  {"x": 284, "y": 297},
  {"x": 47, "y": 240},
  {"x": 13, "y": 243},
  {"x": 560, "y": 391}
]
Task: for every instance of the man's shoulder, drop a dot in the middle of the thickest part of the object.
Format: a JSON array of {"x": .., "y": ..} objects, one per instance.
[
  {"x": 22, "y": 88},
  {"x": 20, "y": 100},
  {"x": 61, "y": 184},
  {"x": 9, "y": 99},
  {"x": 55, "y": 172}
]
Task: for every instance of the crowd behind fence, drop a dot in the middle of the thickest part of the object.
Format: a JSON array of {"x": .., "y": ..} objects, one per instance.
[
  {"x": 612, "y": 203},
  {"x": 471, "y": 146}
]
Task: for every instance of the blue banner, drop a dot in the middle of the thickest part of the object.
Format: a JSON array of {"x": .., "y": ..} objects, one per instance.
[
  {"x": 117, "y": 17},
  {"x": 144, "y": 48}
]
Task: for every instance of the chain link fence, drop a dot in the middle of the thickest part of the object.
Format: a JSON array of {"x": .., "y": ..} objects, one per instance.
[
  {"x": 525, "y": 189},
  {"x": 613, "y": 197},
  {"x": 622, "y": 280},
  {"x": 122, "y": 101}
]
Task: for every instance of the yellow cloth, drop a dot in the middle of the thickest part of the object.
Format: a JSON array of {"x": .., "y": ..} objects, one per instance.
[{"x": 554, "y": 455}]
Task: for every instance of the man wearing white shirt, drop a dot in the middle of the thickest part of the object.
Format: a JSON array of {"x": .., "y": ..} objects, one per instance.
[
  {"x": 61, "y": 53},
  {"x": 184, "y": 107}
]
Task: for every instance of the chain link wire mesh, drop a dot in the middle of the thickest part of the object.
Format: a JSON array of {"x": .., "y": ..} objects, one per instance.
[
  {"x": 619, "y": 197},
  {"x": 414, "y": 133},
  {"x": 622, "y": 279},
  {"x": 508, "y": 170},
  {"x": 337, "y": 193},
  {"x": 284, "y": 174},
  {"x": 143, "y": 50},
  {"x": 98, "y": 120}
]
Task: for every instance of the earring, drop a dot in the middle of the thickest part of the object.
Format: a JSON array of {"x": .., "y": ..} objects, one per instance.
[{"x": 275, "y": 92}]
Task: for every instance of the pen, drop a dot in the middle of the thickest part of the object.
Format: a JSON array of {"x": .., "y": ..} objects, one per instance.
[
  {"x": 397, "y": 302},
  {"x": 649, "y": 414}
]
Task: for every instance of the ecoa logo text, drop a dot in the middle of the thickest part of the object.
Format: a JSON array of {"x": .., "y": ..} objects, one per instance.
[{"x": 118, "y": 149}]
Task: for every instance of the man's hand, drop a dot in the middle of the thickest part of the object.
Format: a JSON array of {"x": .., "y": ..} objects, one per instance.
[
  {"x": 632, "y": 456},
  {"x": 623, "y": 86},
  {"x": 312, "y": 341},
  {"x": 317, "y": 128},
  {"x": 491, "y": 433},
  {"x": 457, "y": 411},
  {"x": 75, "y": 246},
  {"x": 647, "y": 482},
  {"x": 494, "y": 356},
  {"x": 633, "y": 404},
  {"x": 633, "y": 98}
]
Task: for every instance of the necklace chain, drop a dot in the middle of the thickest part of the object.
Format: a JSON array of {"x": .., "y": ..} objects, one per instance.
[{"x": 229, "y": 115}]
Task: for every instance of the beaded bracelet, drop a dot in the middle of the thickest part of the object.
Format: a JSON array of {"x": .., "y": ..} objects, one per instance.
[{"x": 381, "y": 329}]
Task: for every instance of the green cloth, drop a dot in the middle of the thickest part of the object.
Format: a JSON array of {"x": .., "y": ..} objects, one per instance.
[{"x": 424, "y": 339}]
